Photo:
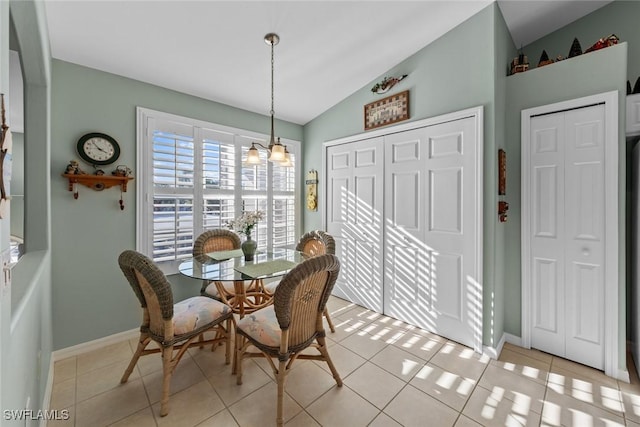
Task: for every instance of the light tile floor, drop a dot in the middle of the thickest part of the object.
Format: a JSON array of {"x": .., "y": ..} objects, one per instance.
[{"x": 394, "y": 375}]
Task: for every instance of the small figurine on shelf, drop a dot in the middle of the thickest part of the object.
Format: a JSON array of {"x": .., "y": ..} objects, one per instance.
[
  {"x": 99, "y": 172},
  {"x": 603, "y": 42},
  {"x": 544, "y": 59},
  {"x": 122, "y": 170},
  {"x": 576, "y": 50},
  {"x": 520, "y": 63},
  {"x": 73, "y": 168}
]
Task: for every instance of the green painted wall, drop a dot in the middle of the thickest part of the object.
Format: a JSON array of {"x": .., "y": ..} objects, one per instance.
[
  {"x": 455, "y": 72},
  {"x": 597, "y": 72},
  {"x": 619, "y": 17},
  {"x": 89, "y": 233},
  {"x": 504, "y": 51}
]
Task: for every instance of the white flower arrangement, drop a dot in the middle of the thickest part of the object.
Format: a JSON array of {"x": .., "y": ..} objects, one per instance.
[{"x": 245, "y": 222}]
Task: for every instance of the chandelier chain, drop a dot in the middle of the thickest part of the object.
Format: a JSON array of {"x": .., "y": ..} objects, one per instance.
[{"x": 272, "y": 84}]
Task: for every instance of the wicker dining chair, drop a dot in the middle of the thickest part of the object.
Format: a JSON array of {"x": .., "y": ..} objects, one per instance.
[
  {"x": 213, "y": 241},
  {"x": 173, "y": 327},
  {"x": 314, "y": 243},
  {"x": 224, "y": 240},
  {"x": 292, "y": 324}
]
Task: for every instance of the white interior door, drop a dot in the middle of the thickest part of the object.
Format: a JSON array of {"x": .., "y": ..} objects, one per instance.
[
  {"x": 407, "y": 273},
  {"x": 431, "y": 244},
  {"x": 547, "y": 233},
  {"x": 354, "y": 218},
  {"x": 567, "y": 254}
]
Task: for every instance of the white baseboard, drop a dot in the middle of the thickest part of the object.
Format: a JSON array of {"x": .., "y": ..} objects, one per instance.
[
  {"x": 93, "y": 345},
  {"x": 623, "y": 375},
  {"x": 494, "y": 352},
  {"x": 512, "y": 339}
]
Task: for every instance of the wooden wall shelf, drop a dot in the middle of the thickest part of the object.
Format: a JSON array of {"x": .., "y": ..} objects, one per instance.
[{"x": 96, "y": 182}]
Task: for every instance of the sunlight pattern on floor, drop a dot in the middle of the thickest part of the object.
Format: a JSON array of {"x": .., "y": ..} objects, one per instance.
[{"x": 394, "y": 375}]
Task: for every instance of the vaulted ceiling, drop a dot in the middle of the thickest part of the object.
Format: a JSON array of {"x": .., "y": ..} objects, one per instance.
[{"x": 328, "y": 49}]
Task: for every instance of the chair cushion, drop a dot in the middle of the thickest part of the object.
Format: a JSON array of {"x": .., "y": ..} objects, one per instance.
[
  {"x": 262, "y": 326},
  {"x": 196, "y": 312},
  {"x": 212, "y": 289}
]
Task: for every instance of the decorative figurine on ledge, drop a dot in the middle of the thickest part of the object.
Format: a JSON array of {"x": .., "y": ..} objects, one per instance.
[
  {"x": 121, "y": 170},
  {"x": 544, "y": 59},
  {"x": 73, "y": 168},
  {"x": 576, "y": 49}
]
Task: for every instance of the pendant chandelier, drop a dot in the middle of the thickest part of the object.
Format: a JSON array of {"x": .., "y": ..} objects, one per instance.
[{"x": 277, "y": 152}]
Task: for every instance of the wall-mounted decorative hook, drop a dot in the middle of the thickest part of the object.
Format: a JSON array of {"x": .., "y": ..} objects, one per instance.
[
  {"x": 386, "y": 84},
  {"x": 503, "y": 207}
]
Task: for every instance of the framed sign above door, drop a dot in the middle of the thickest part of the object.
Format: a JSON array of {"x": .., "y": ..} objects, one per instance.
[{"x": 386, "y": 111}]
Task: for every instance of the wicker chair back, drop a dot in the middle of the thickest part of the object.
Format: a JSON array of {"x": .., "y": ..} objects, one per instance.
[
  {"x": 216, "y": 240},
  {"x": 316, "y": 242},
  {"x": 302, "y": 295},
  {"x": 153, "y": 291}
]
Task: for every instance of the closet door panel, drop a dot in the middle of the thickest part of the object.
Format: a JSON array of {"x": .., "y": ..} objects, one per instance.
[
  {"x": 406, "y": 274},
  {"x": 567, "y": 234},
  {"x": 354, "y": 210},
  {"x": 547, "y": 257},
  {"x": 585, "y": 210},
  {"x": 447, "y": 290},
  {"x": 450, "y": 230},
  {"x": 445, "y": 204},
  {"x": 338, "y": 162},
  {"x": 431, "y": 207}
]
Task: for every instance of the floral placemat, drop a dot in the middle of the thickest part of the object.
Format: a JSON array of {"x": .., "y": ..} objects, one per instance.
[
  {"x": 266, "y": 268},
  {"x": 222, "y": 255}
]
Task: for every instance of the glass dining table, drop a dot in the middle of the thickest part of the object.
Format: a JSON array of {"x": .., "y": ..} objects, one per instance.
[{"x": 230, "y": 273}]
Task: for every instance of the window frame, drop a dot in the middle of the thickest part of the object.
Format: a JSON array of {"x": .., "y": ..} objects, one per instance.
[{"x": 241, "y": 138}]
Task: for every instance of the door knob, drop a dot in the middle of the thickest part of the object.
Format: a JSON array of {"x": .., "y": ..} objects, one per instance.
[{"x": 585, "y": 251}]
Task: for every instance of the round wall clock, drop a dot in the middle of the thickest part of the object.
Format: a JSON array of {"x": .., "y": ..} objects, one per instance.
[{"x": 98, "y": 149}]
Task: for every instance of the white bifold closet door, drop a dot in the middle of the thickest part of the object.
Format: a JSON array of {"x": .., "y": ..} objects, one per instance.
[
  {"x": 431, "y": 208},
  {"x": 404, "y": 209},
  {"x": 354, "y": 219},
  {"x": 567, "y": 234}
]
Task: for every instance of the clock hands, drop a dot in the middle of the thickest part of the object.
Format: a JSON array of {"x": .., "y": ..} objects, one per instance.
[{"x": 99, "y": 148}]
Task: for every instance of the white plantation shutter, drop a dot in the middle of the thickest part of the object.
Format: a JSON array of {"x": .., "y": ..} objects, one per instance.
[
  {"x": 284, "y": 218},
  {"x": 283, "y": 207},
  {"x": 173, "y": 155},
  {"x": 192, "y": 179},
  {"x": 260, "y": 230},
  {"x": 218, "y": 167}
]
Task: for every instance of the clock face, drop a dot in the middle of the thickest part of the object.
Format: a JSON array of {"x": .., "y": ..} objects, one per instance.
[{"x": 98, "y": 149}]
